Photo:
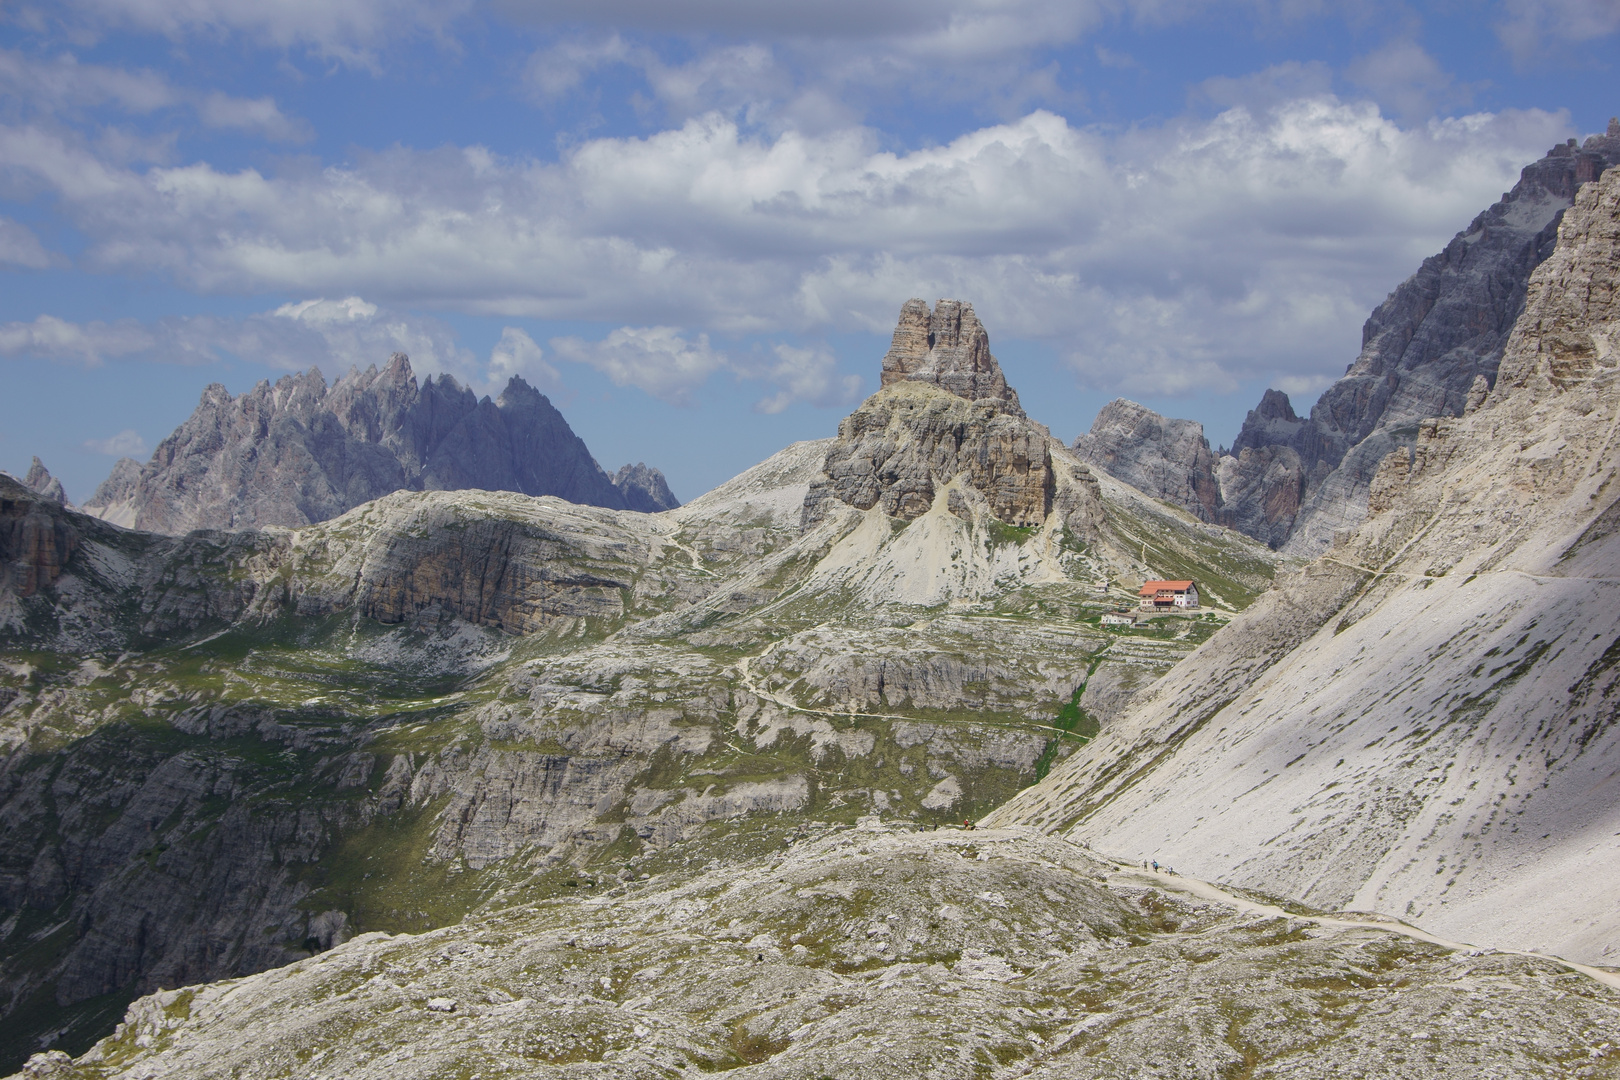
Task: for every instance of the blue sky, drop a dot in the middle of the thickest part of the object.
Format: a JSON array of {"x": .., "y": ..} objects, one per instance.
[{"x": 693, "y": 223}]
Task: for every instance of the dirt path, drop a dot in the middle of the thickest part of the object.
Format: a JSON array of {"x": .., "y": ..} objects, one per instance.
[{"x": 1205, "y": 890}]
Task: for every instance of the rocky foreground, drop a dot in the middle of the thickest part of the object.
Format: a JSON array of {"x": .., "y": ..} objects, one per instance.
[{"x": 876, "y": 951}]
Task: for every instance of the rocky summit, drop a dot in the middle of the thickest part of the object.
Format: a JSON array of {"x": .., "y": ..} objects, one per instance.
[
  {"x": 945, "y": 425},
  {"x": 299, "y": 452},
  {"x": 1168, "y": 459},
  {"x": 471, "y": 783}
]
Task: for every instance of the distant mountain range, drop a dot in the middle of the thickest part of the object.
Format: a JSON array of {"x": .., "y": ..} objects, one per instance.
[{"x": 299, "y": 452}]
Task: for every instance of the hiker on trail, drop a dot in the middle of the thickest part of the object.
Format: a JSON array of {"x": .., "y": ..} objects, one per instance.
[
  {"x": 1155, "y": 865},
  {"x": 1144, "y": 864},
  {"x": 966, "y": 824}
]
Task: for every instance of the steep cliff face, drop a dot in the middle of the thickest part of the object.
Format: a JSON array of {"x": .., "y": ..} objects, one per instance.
[
  {"x": 1167, "y": 459},
  {"x": 1423, "y": 722},
  {"x": 947, "y": 347},
  {"x": 1422, "y": 350},
  {"x": 299, "y": 452},
  {"x": 945, "y": 411}
]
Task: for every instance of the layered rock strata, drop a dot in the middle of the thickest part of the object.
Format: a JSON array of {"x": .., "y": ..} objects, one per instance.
[
  {"x": 300, "y": 452},
  {"x": 1423, "y": 721},
  {"x": 949, "y": 348}
]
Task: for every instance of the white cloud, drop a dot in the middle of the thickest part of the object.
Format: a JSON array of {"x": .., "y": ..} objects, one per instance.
[
  {"x": 656, "y": 359},
  {"x": 218, "y": 110},
  {"x": 1407, "y": 81},
  {"x": 1528, "y": 28},
  {"x": 89, "y": 345},
  {"x": 351, "y": 31},
  {"x": 333, "y": 335},
  {"x": 517, "y": 354},
  {"x": 63, "y": 84},
  {"x": 127, "y": 443},
  {"x": 1205, "y": 250},
  {"x": 20, "y": 247},
  {"x": 809, "y": 375}
]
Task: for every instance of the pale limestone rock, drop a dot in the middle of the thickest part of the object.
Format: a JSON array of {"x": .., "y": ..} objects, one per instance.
[{"x": 1421, "y": 722}]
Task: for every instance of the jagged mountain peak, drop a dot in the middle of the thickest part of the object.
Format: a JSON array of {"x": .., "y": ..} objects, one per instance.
[
  {"x": 944, "y": 411},
  {"x": 949, "y": 348},
  {"x": 39, "y": 479},
  {"x": 1162, "y": 457},
  {"x": 298, "y": 451}
]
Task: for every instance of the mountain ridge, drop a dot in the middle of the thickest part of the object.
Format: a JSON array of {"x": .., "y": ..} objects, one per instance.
[{"x": 297, "y": 452}]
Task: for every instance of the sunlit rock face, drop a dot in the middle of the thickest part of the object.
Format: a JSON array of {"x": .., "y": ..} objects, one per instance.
[
  {"x": 949, "y": 348},
  {"x": 1167, "y": 459},
  {"x": 1423, "y": 721},
  {"x": 945, "y": 411}
]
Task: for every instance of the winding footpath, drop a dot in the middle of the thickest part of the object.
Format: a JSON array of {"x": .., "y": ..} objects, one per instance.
[{"x": 1205, "y": 890}]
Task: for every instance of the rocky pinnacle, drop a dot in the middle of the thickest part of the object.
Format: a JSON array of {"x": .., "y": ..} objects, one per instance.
[{"x": 949, "y": 348}]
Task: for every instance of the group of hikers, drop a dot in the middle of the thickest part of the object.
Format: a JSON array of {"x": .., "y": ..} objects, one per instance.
[{"x": 1157, "y": 869}]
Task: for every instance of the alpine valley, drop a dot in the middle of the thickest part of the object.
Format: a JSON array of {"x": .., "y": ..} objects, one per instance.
[{"x": 366, "y": 754}]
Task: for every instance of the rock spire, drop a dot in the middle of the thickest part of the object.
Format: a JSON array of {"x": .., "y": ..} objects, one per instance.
[
  {"x": 945, "y": 418},
  {"x": 949, "y": 348}
]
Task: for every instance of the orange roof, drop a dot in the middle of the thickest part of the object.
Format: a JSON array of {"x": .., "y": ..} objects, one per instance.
[{"x": 1151, "y": 587}]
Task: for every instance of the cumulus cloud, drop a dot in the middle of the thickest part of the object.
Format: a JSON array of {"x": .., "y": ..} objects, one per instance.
[
  {"x": 517, "y": 354},
  {"x": 1205, "y": 250},
  {"x": 656, "y": 359},
  {"x": 333, "y": 335},
  {"x": 668, "y": 365},
  {"x": 20, "y": 247},
  {"x": 809, "y": 375},
  {"x": 88, "y": 344},
  {"x": 127, "y": 443},
  {"x": 1407, "y": 81}
]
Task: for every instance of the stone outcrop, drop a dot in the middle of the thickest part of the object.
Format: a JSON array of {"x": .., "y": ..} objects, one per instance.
[
  {"x": 644, "y": 489},
  {"x": 1422, "y": 722},
  {"x": 945, "y": 411},
  {"x": 35, "y": 541},
  {"x": 1263, "y": 487},
  {"x": 878, "y": 953},
  {"x": 1167, "y": 459},
  {"x": 1423, "y": 350},
  {"x": 299, "y": 452},
  {"x": 949, "y": 348},
  {"x": 114, "y": 499},
  {"x": 39, "y": 479}
]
